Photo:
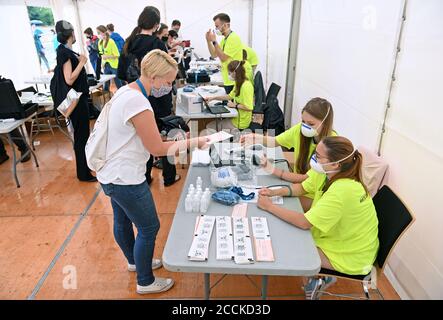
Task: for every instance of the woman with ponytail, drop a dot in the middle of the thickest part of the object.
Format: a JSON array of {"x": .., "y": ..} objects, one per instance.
[
  {"x": 342, "y": 219},
  {"x": 108, "y": 50},
  {"x": 317, "y": 118},
  {"x": 143, "y": 40},
  {"x": 240, "y": 98}
]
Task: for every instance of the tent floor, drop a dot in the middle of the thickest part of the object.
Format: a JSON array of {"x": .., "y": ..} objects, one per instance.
[{"x": 57, "y": 239}]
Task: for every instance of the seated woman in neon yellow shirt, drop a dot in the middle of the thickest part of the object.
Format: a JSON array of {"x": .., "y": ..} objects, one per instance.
[
  {"x": 241, "y": 98},
  {"x": 342, "y": 219},
  {"x": 317, "y": 120}
]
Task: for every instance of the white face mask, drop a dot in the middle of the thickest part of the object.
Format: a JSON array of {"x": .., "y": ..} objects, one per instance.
[
  {"x": 218, "y": 32},
  {"x": 309, "y": 131},
  {"x": 231, "y": 76},
  {"x": 319, "y": 167}
]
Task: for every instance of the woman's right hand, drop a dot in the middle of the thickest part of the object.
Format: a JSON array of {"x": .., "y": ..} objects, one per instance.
[
  {"x": 266, "y": 192},
  {"x": 266, "y": 164},
  {"x": 83, "y": 59},
  {"x": 208, "y": 99},
  {"x": 200, "y": 142},
  {"x": 247, "y": 139}
]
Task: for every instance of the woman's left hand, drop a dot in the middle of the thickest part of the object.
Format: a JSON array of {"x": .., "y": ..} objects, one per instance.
[
  {"x": 264, "y": 202},
  {"x": 231, "y": 104}
]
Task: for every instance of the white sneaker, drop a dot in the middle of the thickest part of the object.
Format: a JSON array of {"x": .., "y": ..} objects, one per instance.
[
  {"x": 156, "y": 264},
  {"x": 159, "y": 285}
]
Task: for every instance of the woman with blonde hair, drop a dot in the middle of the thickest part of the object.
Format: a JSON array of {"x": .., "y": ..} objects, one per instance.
[{"x": 132, "y": 137}]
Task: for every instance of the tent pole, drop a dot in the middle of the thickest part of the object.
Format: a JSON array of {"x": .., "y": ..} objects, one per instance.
[
  {"x": 80, "y": 27},
  {"x": 393, "y": 76},
  {"x": 251, "y": 22},
  {"x": 292, "y": 61}
]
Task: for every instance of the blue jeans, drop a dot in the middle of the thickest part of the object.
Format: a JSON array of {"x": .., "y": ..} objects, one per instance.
[
  {"x": 133, "y": 204},
  {"x": 109, "y": 70}
]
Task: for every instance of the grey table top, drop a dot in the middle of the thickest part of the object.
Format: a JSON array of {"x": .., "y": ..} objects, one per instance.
[
  {"x": 294, "y": 249},
  {"x": 8, "y": 125}
]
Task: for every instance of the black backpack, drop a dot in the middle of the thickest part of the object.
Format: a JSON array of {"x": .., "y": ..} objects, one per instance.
[
  {"x": 128, "y": 67},
  {"x": 172, "y": 123}
]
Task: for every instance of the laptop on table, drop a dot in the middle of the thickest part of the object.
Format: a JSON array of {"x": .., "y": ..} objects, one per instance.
[{"x": 214, "y": 109}]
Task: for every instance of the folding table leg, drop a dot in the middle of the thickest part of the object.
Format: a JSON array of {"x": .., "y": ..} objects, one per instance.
[
  {"x": 14, "y": 159},
  {"x": 25, "y": 140},
  {"x": 207, "y": 286},
  {"x": 264, "y": 287}
]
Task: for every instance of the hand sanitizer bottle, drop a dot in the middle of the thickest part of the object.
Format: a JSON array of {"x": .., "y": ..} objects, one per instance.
[{"x": 188, "y": 203}]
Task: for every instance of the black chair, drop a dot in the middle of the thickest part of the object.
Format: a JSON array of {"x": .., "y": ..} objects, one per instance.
[
  {"x": 271, "y": 101},
  {"x": 394, "y": 219},
  {"x": 259, "y": 94},
  {"x": 273, "y": 91}
]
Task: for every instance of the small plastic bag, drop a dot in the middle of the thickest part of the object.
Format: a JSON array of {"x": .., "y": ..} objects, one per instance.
[
  {"x": 223, "y": 177},
  {"x": 68, "y": 105}
]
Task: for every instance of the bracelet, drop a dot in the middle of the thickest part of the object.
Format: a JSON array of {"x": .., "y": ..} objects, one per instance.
[{"x": 290, "y": 190}]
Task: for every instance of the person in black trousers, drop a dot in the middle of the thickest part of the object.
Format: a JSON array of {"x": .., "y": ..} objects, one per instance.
[
  {"x": 141, "y": 41},
  {"x": 18, "y": 140},
  {"x": 70, "y": 71}
]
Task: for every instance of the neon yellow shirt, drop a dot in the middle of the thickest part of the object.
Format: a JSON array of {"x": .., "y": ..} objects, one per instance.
[
  {"x": 245, "y": 98},
  {"x": 249, "y": 72},
  {"x": 291, "y": 139},
  {"x": 252, "y": 55},
  {"x": 345, "y": 224},
  {"x": 233, "y": 47},
  {"x": 110, "y": 50}
]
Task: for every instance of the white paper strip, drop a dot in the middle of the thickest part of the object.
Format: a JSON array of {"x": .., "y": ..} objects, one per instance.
[
  {"x": 242, "y": 241},
  {"x": 202, "y": 236},
  {"x": 225, "y": 245}
]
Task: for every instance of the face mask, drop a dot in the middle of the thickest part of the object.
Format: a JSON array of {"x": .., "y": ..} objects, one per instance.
[
  {"x": 218, "y": 32},
  {"x": 164, "y": 90},
  {"x": 231, "y": 76},
  {"x": 164, "y": 39},
  {"x": 319, "y": 167},
  {"x": 100, "y": 37},
  {"x": 309, "y": 131}
]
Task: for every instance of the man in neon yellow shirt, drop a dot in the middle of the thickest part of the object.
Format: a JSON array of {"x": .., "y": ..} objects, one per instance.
[
  {"x": 342, "y": 219},
  {"x": 230, "y": 48}
]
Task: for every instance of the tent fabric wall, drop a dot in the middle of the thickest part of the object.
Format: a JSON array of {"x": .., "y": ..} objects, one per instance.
[
  {"x": 195, "y": 16},
  {"x": 346, "y": 54},
  {"x": 18, "y": 57},
  {"x": 346, "y": 59},
  {"x": 270, "y": 38},
  {"x": 413, "y": 145}
]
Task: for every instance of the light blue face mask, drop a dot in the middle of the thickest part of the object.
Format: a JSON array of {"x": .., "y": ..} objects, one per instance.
[{"x": 164, "y": 90}]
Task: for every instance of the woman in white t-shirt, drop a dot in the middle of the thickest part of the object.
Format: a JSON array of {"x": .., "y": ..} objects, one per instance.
[{"x": 132, "y": 136}]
